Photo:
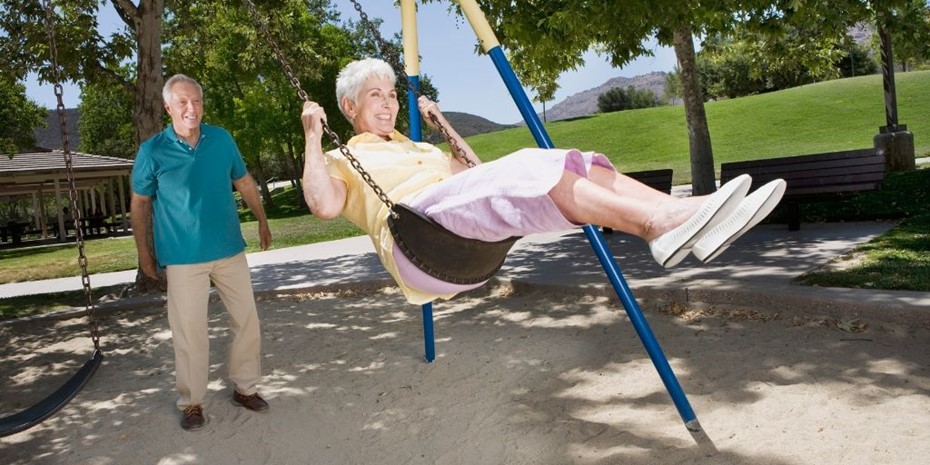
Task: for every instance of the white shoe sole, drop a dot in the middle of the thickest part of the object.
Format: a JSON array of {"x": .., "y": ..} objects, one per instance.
[
  {"x": 672, "y": 247},
  {"x": 753, "y": 209}
]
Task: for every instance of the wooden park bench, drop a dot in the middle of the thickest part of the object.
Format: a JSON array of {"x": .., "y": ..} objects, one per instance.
[
  {"x": 660, "y": 180},
  {"x": 813, "y": 177}
]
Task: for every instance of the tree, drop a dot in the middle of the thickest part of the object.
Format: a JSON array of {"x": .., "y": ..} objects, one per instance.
[
  {"x": 701, "y": 152},
  {"x": 743, "y": 62},
  {"x": 84, "y": 55},
  {"x": 246, "y": 88},
  {"x": 910, "y": 32},
  {"x": 856, "y": 60},
  {"x": 615, "y": 99},
  {"x": 106, "y": 121},
  {"x": 631, "y": 98},
  {"x": 547, "y": 37},
  {"x": 18, "y": 118},
  {"x": 673, "y": 90},
  {"x": 544, "y": 88}
]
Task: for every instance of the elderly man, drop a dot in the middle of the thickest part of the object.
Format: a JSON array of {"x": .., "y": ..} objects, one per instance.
[{"x": 181, "y": 185}]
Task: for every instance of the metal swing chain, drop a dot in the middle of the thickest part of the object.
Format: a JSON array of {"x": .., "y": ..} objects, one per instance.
[
  {"x": 65, "y": 144},
  {"x": 392, "y": 57},
  {"x": 304, "y": 97}
]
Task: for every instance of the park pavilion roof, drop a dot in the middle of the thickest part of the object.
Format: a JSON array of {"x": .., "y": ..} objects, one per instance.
[{"x": 30, "y": 172}]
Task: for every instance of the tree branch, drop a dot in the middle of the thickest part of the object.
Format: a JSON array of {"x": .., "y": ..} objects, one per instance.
[
  {"x": 115, "y": 77},
  {"x": 128, "y": 12}
]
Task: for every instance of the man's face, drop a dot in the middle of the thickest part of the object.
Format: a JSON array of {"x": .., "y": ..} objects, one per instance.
[{"x": 185, "y": 106}]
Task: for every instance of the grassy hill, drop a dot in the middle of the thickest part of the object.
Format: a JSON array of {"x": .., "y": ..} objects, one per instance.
[
  {"x": 827, "y": 116},
  {"x": 466, "y": 125}
]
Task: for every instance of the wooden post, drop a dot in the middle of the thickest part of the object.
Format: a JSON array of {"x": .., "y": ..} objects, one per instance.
[{"x": 893, "y": 139}]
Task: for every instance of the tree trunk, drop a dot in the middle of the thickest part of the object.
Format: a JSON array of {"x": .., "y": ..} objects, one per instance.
[
  {"x": 145, "y": 20},
  {"x": 702, "y": 154},
  {"x": 149, "y": 81},
  {"x": 296, "y": 163},
  {"x": 259, "y": 171}
]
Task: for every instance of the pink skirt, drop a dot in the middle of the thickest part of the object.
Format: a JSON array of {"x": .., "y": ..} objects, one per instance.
[{"x": 496, "y": 200}]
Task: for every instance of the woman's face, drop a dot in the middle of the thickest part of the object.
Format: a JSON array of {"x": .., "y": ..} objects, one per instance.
[{"x": 376, "y": 107}]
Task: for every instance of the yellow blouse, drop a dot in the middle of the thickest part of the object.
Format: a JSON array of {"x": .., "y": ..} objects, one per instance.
[{"x": 401, "y": 168}]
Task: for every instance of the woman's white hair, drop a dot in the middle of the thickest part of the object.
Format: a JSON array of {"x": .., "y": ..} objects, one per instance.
[
  {"x": 166, "y": 91},
  {"x": 353, "y": 76}
]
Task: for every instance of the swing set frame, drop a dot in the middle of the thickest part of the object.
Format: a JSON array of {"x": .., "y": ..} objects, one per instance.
[{"x": 492, "y": 48}]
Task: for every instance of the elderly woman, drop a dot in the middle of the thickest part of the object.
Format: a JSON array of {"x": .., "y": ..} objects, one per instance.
[{"x": 529, "y": 191}]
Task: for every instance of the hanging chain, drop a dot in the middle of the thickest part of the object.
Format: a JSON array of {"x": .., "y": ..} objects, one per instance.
[
  {"x": 303, "y": 96},
  {"x": 65, "y": 146},
  {"x": 392, "y": 57}
]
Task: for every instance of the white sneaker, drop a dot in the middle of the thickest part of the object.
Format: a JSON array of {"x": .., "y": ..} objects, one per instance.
[
  {"x": 672, "y": 247},
  {"x": 753, "y": 209}
]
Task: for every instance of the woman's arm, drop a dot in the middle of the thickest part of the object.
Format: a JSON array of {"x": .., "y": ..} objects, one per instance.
[
  {"x": 325, "y": 195},
  {"x": 429, "y": 108}
]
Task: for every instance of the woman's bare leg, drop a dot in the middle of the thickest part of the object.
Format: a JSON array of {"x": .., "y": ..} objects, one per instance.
[
  {"x": 624, "y": 185},
  {"x": 620, "y": 202}
]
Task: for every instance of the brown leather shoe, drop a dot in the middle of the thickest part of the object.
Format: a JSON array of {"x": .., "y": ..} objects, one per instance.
[
  {"x": 193, "y": 418},
  {"x": 254, "y": 402}
]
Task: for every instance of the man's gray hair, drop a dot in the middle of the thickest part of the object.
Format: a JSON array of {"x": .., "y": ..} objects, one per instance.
[
  {"x": 353, "y": 76},
  {"x": 178, "y": 78}
]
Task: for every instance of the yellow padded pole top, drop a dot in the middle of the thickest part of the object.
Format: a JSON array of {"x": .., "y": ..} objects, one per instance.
[
  {"x": 408, "y": 17},
  {"x": 479, "y": 23}
]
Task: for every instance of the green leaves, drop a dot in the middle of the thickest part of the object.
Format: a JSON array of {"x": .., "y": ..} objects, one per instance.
[
  {"x": 18, "y": 117},
  {"x": 106, "y": 121},
  {"x": 631, "y": 98}
]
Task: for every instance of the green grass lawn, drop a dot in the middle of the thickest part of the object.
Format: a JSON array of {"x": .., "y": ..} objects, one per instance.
[
  {"x": 896, "y": 260},
  {"x": 828, "y": 116},
  {"x": 288, "y": 228},
  {"x": 823, "y": 117},
  {"x": 119, "y": 254}
]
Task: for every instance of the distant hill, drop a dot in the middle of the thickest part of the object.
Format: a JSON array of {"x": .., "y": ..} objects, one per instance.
[
  {"x": 585, "y": 103},
  {"x": 467, "y": 124},
  {"x": 581, "y": 104}
]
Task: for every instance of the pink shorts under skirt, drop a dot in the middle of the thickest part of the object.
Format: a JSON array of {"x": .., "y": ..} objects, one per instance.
[{"x": 493, "y": 201}]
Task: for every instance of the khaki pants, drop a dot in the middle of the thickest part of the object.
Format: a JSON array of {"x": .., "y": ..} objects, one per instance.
[{"x": 188, "y": 297}]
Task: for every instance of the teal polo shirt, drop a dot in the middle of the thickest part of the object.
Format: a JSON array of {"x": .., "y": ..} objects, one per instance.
[{"x": 194, "y": 218}]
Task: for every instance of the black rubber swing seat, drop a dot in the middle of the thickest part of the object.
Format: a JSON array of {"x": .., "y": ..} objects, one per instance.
[
  {"x": 38, "y": 413},
  {"x": 441, "y": 253}
]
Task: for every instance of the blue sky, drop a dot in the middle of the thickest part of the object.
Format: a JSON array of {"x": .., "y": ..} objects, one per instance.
[{"x": 467, "y": 82}]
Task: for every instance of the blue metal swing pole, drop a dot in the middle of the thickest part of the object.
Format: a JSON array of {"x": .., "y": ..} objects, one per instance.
[
  {"x": 408, "y": 15},
  {"x": 491, "y": 46}
]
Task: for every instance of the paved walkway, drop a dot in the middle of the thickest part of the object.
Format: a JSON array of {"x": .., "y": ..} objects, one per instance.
[{"x": 756, "y": 272}]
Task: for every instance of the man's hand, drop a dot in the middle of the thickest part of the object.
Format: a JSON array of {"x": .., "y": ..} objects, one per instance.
[
  {"x": 147, "y": 265},
  {"x": 264, "y": 235}
]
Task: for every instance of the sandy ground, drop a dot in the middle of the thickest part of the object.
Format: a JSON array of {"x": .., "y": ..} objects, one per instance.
[{"x": 526, "y": 377}]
